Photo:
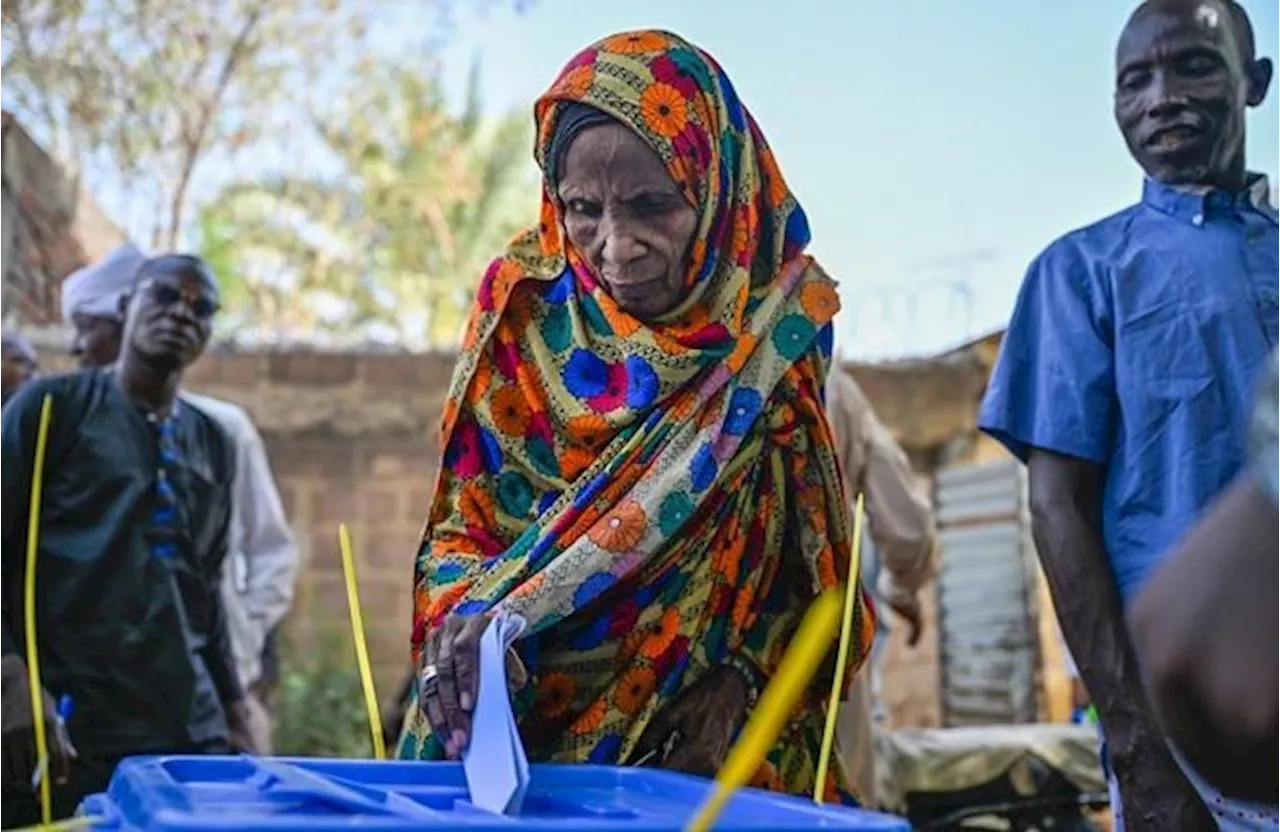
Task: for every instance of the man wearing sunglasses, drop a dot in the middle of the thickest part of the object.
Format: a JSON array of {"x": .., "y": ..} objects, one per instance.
[
  {"x": 262, "y": 560},
  {"x": 131, "y": 634}
]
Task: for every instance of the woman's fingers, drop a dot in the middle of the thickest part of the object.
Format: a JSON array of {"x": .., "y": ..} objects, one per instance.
[
  {"x": 449, "y": 686},
  {"x": 429, "y": 688},
  {"x": 466, "y": 662},
  {"x": 454, "y": 738}
]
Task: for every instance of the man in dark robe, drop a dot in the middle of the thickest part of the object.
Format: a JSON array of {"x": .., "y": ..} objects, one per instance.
[{"x": 132, "y": 638}]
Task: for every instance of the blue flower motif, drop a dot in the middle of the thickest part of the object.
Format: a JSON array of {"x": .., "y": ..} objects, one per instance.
[
  {"x": 585, "y": 375},
  {"x": 793, "y": 335},
  {"x": 446, "y": 572},
  {"x": 591, "y": 636},
  {"x": 642, "y": 383},
  {"x": 595, "y": 316},
  {"x": 606, "y": 751},
  {"x": 588, "y": 494},
  {"x": 703, "y": 469},
  {"x": 515, "y": 494},
  {"x": 732, "y": 103},
  {"x": 547, "y": 500},
  {"x": 797, "y": 235},
  {"x": 491, "y": 451},
  {"x": 675, "y": 677},
  {"x": 591, "y": 588},
  {"x": 543, "y": 456},
  {"x": 744, "y": 406},
  {"x": 557, "y": 328},
  {"x": 675, "y": 509},
  {"x": 562, "y": 289},
  {"x": 645, "y": 594},
  {"x": 827, "y": 340},
  {"x": 471, "y": 608}
]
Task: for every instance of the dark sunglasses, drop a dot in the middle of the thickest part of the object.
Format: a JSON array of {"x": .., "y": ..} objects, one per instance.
[{"x": 166, "y": 296}]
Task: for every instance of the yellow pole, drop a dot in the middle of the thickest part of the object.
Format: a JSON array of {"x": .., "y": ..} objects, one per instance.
[
  {"x": 362, "y": 648},
  {"x": 29, "y": 612},
  {"x": 842, "y": 655},
  {"x": 69, "y": 825},
  {"x": 808, "y": 646}
]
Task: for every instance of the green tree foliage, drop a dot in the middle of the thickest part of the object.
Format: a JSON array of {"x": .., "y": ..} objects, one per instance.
[
  {"x": 138, "y": 94},
  {"x": 388, "y": 238}
]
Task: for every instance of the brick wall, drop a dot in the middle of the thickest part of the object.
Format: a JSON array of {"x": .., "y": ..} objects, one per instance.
[{"x": 352, "y": 439}]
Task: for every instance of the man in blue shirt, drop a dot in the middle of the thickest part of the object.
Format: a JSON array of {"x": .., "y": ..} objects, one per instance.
[{"x": 1126, "y": 374}]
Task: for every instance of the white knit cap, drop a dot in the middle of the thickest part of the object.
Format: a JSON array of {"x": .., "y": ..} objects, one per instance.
[{"x": 96, "y": 290}]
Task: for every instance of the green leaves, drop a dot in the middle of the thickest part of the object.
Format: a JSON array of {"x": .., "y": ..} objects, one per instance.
[
  {"x": 154, "y": 101},
  {"x": 390, "y": 244}
]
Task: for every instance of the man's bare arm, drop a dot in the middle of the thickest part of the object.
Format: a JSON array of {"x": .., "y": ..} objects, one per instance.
[{"x": 1066, "y": 499}]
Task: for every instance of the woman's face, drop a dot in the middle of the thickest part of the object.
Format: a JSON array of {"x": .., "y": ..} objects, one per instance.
[{"x": 627, "y": 218}]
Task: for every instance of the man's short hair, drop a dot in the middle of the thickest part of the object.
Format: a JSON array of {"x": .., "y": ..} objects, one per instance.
[
  {"x": 176, "y": 262},
  {"x": 1243, "y": 30}
]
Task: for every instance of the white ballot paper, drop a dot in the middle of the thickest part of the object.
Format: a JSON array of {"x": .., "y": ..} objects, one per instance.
[{"x": 494, "y": 761}]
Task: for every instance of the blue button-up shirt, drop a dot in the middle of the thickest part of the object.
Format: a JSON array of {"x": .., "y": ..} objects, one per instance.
[{"x": 1137, "y": 343}]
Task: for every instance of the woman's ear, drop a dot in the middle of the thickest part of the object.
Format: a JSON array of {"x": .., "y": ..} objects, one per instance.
[{"x": 1260, "y": 72}]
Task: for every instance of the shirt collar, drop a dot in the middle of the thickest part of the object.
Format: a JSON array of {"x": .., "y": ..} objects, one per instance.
[{"x": 1192, "y": 202}]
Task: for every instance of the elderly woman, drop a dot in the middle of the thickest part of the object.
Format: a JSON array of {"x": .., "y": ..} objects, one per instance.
[{"x": 637, "y": 459}]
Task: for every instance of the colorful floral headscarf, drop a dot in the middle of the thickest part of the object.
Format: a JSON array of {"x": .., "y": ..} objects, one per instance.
[{"x": 655, "y": 498}]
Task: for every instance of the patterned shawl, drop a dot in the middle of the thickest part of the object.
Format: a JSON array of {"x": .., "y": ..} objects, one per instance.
[{"x": 655, "y": 498}]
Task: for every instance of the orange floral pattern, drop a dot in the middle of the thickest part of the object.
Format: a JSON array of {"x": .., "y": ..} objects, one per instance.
[
  {"x": 621, "y": 529},
  {"x": 664, "y": 110}
]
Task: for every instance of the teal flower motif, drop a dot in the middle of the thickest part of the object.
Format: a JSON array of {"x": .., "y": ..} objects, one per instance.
[
  {"x": 793, "y": 335},
  {"x": 690, "y": 64},
  {"x": 674, "y": 588},
  {"x": 675, "y": 509},
  {"x": 557, "y": 328},
  {"x": 515, "y": 494},
  {"x": 543, "y": 456},
  {"x": 595, "y": 316}
]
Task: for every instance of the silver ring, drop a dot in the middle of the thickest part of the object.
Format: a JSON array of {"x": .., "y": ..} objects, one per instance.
[{"x": 429, "y": 674}]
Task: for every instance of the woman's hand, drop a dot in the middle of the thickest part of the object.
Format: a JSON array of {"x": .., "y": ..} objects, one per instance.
[
  {"x": 449, "y": 677},
  {"x": 705, "y": 718}
]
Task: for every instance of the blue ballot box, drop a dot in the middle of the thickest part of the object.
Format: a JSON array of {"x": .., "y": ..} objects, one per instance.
[{"x": 250, "y": 793}]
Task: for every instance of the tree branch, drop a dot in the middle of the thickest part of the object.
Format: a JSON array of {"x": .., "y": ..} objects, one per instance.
[{"x": 193, "y": 144}]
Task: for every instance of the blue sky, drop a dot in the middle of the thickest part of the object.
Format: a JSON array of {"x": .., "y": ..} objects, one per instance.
[{"x": 936, "y": 146}]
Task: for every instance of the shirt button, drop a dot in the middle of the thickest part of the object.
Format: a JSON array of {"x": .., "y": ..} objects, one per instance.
[{"x": 1197, "y": 220}]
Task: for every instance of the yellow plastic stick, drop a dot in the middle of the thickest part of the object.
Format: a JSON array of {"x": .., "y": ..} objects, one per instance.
[
  {"x": 808, "y": 646},
  {"x": 842, "y": 656},
  {"x": 75, "y": 824},
  {"x": 362, "y": 649},
  {"x": 29, "y": 610}
]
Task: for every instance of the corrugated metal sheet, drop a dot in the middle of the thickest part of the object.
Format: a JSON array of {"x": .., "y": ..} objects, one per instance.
[{"x": 986, "y": 596}]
